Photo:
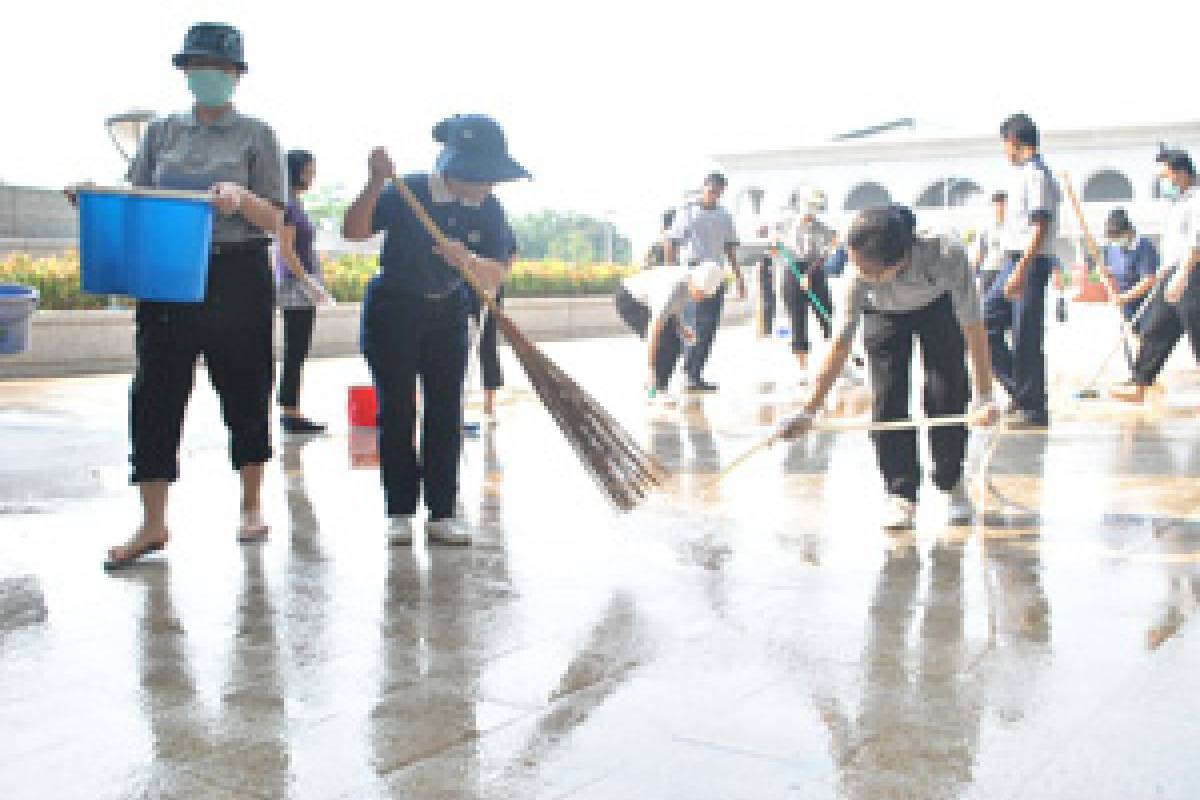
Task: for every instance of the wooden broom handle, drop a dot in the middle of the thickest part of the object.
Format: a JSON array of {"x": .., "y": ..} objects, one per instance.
[
  {"x": 433, "y": 230},
  {"x": 1088, "y": 240}
]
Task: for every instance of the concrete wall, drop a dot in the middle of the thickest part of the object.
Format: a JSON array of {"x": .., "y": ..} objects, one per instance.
[
  {"x": 28, "y": 213},
  {"x": 79, "y": 342}
]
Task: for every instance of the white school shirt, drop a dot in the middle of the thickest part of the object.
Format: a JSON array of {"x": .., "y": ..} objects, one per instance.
[
  {"x": 991, "y": 248},
  {"x": 1032, "y": 192},
  {"x": 662, "y": 290},
  {"x": 1181, "y": 228}
]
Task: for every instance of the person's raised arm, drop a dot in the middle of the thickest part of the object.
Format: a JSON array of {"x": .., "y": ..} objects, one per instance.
[{"x": 356, "y": 225}]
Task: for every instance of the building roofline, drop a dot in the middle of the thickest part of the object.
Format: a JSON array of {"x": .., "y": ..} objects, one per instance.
[{"x": 868, "y": 150}]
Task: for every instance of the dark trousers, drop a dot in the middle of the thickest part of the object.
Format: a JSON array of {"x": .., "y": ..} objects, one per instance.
[
  {"x": 766, "y": 289},
  {"x": 670, "y": 343},
  {"x": 797, "y": 302},
  {"x": 297, "y": 338},
  {"x": 1166, "y": 323},
  {"x": 888, "y": 337},
  {"x": 232, "y": 329},
  {"x": 987, "y": 278},
  {"x": 1021, "y": 368},
  {"x": 705, "y": 317},
  {"x": 489, "y": 347},
  {"x": 404, "y": 337}
]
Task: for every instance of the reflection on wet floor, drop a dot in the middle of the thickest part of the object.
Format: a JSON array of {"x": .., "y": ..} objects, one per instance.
[{"x": 768, "y": 640}]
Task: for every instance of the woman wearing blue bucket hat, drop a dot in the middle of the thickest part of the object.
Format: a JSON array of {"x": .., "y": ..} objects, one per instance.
[
  {"x": 415, "y": 313},
  {"x": 237, "y": 158}
]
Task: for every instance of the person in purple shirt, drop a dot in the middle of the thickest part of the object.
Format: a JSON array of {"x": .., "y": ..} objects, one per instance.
[{"x": 298, "y": 275}]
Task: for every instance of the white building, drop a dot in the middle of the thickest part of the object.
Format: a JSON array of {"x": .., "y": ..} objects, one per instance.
[{"x": 948, "y": 179}]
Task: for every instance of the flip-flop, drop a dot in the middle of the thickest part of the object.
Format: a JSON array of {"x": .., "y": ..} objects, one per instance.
[
  {"x": 134, "y": 555},
  {"x": 252, "y": 532}
]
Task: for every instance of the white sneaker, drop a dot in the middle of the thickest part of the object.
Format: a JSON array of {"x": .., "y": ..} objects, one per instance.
[
  {"x": 449, "y": 531},
  {"x": 900, "y": 515},
  {"x": 959, "y": 508},
  {"x": 399, "y": 532}
]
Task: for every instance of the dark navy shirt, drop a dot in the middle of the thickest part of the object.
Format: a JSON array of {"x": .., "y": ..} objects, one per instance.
[
  {"x": 408, "y": 262},
  {"x": 1130, "y": 266}
]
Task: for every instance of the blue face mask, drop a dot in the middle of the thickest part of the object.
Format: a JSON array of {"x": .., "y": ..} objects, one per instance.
[{"x": 211, "y": 87}]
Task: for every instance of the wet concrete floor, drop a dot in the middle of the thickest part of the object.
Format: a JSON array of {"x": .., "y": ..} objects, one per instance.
[{"x": 767, "y": 641}]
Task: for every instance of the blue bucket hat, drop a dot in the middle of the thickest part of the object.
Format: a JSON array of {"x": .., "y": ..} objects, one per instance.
[
  {"x": 475, "y": 150},
  {"x": 212, "y": 40}
]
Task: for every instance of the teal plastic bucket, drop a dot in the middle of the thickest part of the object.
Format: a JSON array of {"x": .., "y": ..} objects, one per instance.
[
  {"x": 145, "y": 243},
  {"x": 16, "y": 317}
]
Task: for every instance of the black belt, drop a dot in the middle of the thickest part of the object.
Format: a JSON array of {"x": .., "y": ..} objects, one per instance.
[{"x": 249, "y": 246}]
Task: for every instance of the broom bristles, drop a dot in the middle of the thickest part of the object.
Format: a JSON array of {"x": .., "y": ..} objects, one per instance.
[{"x": 615, "y": 461}]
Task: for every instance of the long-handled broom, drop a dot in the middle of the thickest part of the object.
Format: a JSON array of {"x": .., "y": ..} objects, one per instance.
[
  {"x": 622, "y": 470},
  {"x": 1128, "y": 337},
  {"x": 812, "y": 298}
]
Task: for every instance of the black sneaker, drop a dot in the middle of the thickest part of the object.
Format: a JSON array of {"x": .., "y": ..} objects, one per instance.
[
  {"x": 299, "y": 425},
  {"x": 701, "y": 385}
]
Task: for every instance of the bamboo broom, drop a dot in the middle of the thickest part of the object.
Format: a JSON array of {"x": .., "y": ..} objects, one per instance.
[{"x": 623, "y": 471}]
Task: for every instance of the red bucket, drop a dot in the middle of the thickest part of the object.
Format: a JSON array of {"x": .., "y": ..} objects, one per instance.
[{"x": 360, "y": 406}]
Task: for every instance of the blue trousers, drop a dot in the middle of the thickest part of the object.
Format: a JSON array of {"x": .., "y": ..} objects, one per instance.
[
  {"x": 704, "y": 317},
  {"x": 1021, "y": 367},
  {"x": 405, "y": 336}
]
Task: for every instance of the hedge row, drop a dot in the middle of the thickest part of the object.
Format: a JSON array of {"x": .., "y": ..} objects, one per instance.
[{"x": 57, "y": 278}]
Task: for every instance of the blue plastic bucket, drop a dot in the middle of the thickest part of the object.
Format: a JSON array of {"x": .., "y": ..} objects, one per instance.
[
  {"x": 16, "y": 316},
  {"x": 147, "y": 244}
]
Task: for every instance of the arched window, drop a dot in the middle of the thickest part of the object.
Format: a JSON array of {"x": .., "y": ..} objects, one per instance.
[
  {"x": 751, "y": 201},
  {"x": 867, "y": 195},
  {"x": 949, "y": 192},
  {"x": 1107, "y": 186}
]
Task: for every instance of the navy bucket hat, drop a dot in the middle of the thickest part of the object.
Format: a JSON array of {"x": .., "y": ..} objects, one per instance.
[
  {"x": 475, "y": 150},
  {"x": 212, "y": 40}
]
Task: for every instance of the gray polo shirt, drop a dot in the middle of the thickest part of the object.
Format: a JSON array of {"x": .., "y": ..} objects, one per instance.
[
  {"x": 1181, "y": 229},
  {"x": 939, "y": 265},
  {"x": 180, "y": 152},
  {"x": 1032, "y": 194},
  {"x": 705, "y": 233},
  {"x": 810, "y": 241}
]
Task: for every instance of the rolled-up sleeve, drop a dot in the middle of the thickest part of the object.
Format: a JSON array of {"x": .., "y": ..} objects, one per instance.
[
  {"x": 848, "y": 310},
  {"x": 963, "y": 292},
  {"x": 1040, "y": 193},
  {"x": 267, "y": 176},
  {"x": 141, "y": 168}
]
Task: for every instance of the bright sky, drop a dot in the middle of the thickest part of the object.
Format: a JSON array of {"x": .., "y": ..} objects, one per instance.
[{"x": 612, "y": 105}]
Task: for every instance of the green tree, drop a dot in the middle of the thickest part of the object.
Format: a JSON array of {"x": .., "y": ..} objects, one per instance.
[{"x": 569, "y": 237}]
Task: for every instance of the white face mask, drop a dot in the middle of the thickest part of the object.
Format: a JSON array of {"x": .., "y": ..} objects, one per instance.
[{"x": 1168, "y": 190}]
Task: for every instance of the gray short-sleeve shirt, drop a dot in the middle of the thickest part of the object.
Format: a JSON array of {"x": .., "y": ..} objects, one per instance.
[
  {"x": 705, "y": 233},
  {"x": 180, "y": 152},
  {"x": 811, "y": 240},
  {"x": 939, "y": 266}
]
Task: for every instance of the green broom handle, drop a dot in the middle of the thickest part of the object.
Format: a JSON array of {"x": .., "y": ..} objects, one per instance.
[{"x": 798, "y": 275}]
